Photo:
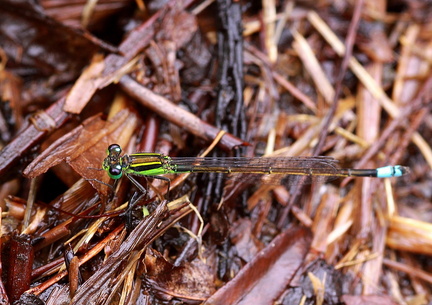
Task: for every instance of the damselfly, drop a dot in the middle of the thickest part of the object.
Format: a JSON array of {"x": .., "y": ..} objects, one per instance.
[{"x": 289, "y": 169}]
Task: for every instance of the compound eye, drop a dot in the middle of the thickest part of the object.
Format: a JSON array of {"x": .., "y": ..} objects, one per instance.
[
  {"x": 114, "y": 149},
  {"x": 115, "y": 171}
]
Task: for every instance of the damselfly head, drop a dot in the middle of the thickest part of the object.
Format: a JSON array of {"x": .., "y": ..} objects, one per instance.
[{"x": 112, "y": 163}]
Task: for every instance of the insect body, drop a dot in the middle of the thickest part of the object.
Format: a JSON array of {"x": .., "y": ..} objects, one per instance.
[{"x": 295, "y": 169}]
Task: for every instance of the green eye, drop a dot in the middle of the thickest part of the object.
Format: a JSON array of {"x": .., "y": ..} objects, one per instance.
[{"x": 115, "y": 171}]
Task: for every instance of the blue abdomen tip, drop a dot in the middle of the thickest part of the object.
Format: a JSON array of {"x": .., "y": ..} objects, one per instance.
[{"x": 392, "y": 171}]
